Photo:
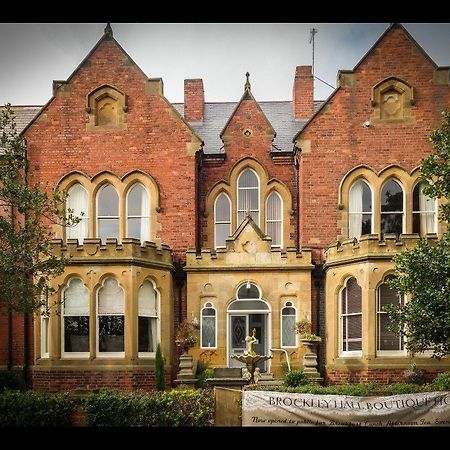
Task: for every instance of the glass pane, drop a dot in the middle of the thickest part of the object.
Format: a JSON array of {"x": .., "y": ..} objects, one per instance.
[
  {"x": 209, "y": 312},
  {"x": 392, "y": 197},
  {"x": 273, "y": 207},
  {"x": 134, "y": 227},
  {"x": 222, "y": 232},
  {"x": 354, "y": 294},
  {"x": 147, "y": 300},
  {"x": 240, "y": 305},
  {"x": 108, "y": 228},
  {"x": 44, "y": 336},
  {"x": 248, "y": 178},
  {"x": 366, "y": 198},
  {"x": 147, "y": 334},
  {"x": 222, "y": 209},
  {"x": 238, "y": 332},
  {"x": 354, "y": 324},
  {"x": 76, "y": 299},
  {"x": 111, "y": 298},
  {"x": 76, "y": 334},
  {"x": 248, "y": 290},
  {"x": 137, "y": 201},
  {"x": 360, "y": 197},
  {"x": 387, "y": 296},
  {"x": 416, "y": 194},
  {"x": 108, "y": 201},
  {"x": 78, "y": 201},
  {"x": 386, "y": 339},
  {"x": 111, "y": 333},
  {"x": 273, "y": 229},
  {"x": 288, "y": 311},
  {"x": 366, "y": 224},
  {"x": 391, "y": 223},
  {"x": 344, "y": 334},
  {"x": 288, "y": 336},
  {"x": 208, "y": 331},
  {"x": 354, "y": 346}
]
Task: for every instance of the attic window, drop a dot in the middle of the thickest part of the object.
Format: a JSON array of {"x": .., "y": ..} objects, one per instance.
[{"x": 106, "y": 107}]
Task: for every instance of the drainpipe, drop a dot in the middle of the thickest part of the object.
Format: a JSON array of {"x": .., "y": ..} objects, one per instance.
[
  {"x": 198, "y": 165},
  {"x": 180, "y": 276},
  {"x": 297, "y": 194}
]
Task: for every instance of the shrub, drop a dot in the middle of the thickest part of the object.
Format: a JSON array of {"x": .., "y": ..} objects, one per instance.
[
  {"x": 296, "y": 378},
  {"x": 33, "y": 409},
  {"x": 159, "y": 369},
  {"x": 414, "y": 375},
  {"x": 202, "y": 374},
  {"x": 12, "y": 379},
  {"x": 168, "y": 408},
  {"x": 442, "y": 381}
]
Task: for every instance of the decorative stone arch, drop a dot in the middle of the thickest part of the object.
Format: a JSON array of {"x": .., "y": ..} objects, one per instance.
[
  {"x": 391, "y": 100},
  {"x": 106, "y": 107}
]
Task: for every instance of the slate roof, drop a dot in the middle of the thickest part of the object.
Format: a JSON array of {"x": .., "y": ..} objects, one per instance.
[
  {"x": 216, "y": 115},
  {"x": 24, "y": 115}
]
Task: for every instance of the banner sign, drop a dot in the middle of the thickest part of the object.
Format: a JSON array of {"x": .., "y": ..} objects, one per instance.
[{"x": 274, "y": 409}]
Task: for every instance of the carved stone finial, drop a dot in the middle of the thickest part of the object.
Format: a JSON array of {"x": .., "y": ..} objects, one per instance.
[
  {"x": 247, "y": 86},
  {"x": 108, "y": 30}
]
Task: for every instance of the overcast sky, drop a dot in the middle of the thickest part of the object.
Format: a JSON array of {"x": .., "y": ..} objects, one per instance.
[{"x": 32, "y": 55}]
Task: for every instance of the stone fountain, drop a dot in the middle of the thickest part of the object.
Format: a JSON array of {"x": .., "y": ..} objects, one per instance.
[{"x": 250, "y": 358}]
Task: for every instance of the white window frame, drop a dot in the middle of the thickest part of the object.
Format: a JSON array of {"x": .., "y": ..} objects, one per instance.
[
  {"x": 97, "y": 336},
  {"x": 84, "y": 218},
  {"x": 342, "y": 316},
  {"x": 201, "y": 325},
  {"x": 394, "y": 212},
  {"x": 158, "y": 322},
  {"x": 280, "y": 221},
  {"x": 147, "y": 236},
  {"x": 435, "y": 211},
  {"x": 401, "y": 352},
  {"x": 281, "y": 324},
  {"x": 45, "y": 325},
  {"x": 107, "y": 217},
  {"x": 351, "y": 213},
  {"x": 72, "y": 355},
  {"x": 216, "y": 222},
  {"x": 258, "y": 197}
]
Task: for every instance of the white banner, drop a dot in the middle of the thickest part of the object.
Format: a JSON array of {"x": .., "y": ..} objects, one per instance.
[{"x": 274, "y": 409}]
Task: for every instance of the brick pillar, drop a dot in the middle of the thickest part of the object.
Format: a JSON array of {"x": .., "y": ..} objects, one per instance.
[
  {"x": 194, "y": 100},
  {"x": 303, "y": 93}
]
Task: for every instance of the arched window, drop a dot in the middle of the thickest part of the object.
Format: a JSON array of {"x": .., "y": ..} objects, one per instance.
[
  {"x": 387, "y": 341},
  {"x": 288, "y": 318},
  {"x": 424, "y": 211},
  {"x": 110, "y": 317},
  {"x": 392, "y": 208},
  {"x": 148, "y": 318},
  {"x": 75, "y": 318},
  {"x": 351, "y": 318},
  {"x": 248, "y": 196},
  {"x": 138, "y": 219},
  {"x": 77, "y": 201},
  {"x": 274, "y": 219},
  {"x": 248, "y": 298},
  {"x": 222, "y": 220},
  {"x": 108, "y": 213},
  {"x": 360, "y": 210},
  {"x": 208, "y": 326}
]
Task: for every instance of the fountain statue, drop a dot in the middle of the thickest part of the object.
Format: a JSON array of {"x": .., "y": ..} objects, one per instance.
[{"x": 250, "y": 359}]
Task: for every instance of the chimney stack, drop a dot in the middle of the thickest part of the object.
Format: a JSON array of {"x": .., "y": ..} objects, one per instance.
[
  {"x": 303, "y": 93},
  {"x": 194, "y": 100}
]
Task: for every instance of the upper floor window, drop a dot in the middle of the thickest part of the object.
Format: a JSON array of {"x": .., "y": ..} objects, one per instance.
[
  {"x": 351, "y": 318},
  {"x": 138, "y": 208},
  {"x": 248, "y": 196},
  {"x": 288, "y": 318},
  {"x": 75, "y": 318},
  {"x": 108, "y": 213},
  {"x": 387, "y": 341},
  {"x": 77, "y": 201},
  {"x": 222, "y": 219},
  {"x": 392, "y": 208},
  {"x": 208, "y": 326},
  {"x": 360, "y": 210},
  {"x": 111, "y": 317},
  {"x": 274, "y": 219},
  {"x": 148, "y": 318},
  {"x": 424, "y": 211}
]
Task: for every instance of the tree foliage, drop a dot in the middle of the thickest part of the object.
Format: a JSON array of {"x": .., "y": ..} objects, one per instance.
[
  {"x": 423, "y": 273},
  {"x": 27, "y": 212}
]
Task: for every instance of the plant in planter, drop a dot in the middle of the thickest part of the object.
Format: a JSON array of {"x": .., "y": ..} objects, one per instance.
[
  {"x": 303, "y": 328},
  {"x": 414, "y": 375},
  {"x": 185, "y": 336}
]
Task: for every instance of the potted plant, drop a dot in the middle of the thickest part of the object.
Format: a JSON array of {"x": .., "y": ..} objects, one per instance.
[
  {"x": 303, "y": 328},
  {"x": 310, "y": 340},
  {"x": 185, "y": 336}
]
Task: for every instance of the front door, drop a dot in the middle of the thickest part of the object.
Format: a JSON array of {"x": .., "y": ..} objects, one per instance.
[{"x": 241, "y": 326}]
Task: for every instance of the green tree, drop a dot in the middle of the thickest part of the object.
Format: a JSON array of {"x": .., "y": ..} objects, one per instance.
[
  {"x": 423, "y": 273},
  {"x": 159, "y": 369},
  {"x": 27, "y": 212}
]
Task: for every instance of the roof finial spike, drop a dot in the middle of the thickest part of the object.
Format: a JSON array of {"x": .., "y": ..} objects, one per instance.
[
  {"x": 108, "y": 30},
  {"x": 247, "y": 86}
]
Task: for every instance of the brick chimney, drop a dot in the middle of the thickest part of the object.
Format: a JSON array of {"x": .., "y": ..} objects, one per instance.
[
  {"x": 303, "y": 93},
  {"x": 194, "y": 100}
]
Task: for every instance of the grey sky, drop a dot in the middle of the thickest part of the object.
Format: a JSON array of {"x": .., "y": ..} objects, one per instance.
[{"x": 32, "y": 55}]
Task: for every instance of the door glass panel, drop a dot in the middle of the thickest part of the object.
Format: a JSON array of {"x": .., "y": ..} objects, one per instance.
[{"x": 238, "y": 331}]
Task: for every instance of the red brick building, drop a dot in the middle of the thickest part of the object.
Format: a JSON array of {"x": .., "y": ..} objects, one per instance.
[{"x": 238, "y": 215}]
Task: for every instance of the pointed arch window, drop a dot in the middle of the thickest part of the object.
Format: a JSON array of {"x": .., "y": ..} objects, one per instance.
[
  {"x": 351, "y": 318},
  {"x": 148, "y": 335},
  {"x": 288, "y": 319},
  {"x": 77, "y": 201},
  {"x": 392, "y": 212},
  {"x": 424, "y": 211},
  {"x": 360, "y": 210},
  {"x": 248, "y": 196},
  {"x": 208, "y": 326},
  {"x": 111, "y": 318},
  {"x": 274, "y": 219},
  {"x": 108, "y": 213},
  {"x": 75, "y": 318},
  {"x": 138, "y": 209},
  {"x": 222, "y": 220}
]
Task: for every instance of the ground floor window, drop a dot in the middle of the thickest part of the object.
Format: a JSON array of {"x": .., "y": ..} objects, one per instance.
[
  {"x": 351, "y": 318},
  {"x": 208, "y": 326}
]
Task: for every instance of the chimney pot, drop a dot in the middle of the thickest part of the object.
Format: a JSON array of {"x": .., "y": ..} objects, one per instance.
[
  {"x": 194, "y": 100},
  {"x": 303, "y": 93}
]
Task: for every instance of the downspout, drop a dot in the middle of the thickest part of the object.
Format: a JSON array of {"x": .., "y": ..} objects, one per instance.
[
  {"x": 297, "y": 194},
  {"x": 198, "y": 223}
]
